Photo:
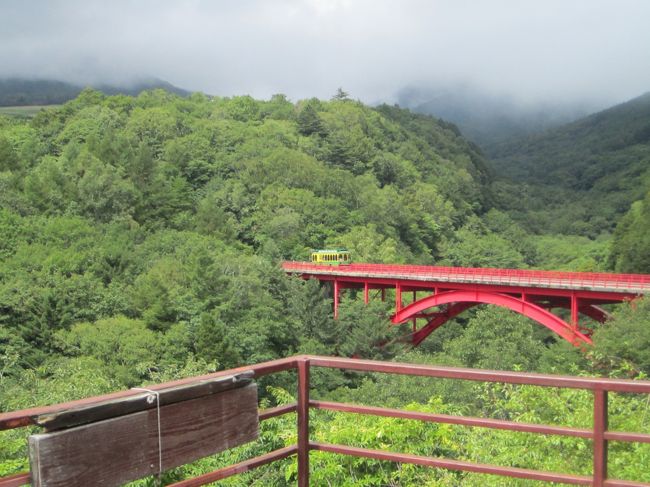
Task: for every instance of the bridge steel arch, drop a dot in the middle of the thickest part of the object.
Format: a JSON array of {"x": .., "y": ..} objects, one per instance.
[
  {"x": 461, "y": 300},
  {"x": 531, "y": 293}
]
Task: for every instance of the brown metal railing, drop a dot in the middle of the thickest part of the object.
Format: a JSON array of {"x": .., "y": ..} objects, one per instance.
[{"x": 599, "y": 434}]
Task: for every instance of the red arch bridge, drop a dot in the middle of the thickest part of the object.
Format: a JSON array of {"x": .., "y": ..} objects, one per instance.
[{"x": 441, "y": 293}]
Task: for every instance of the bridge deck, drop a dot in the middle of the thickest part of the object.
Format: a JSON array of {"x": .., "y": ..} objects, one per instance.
[{"x": 636, "y": 284}]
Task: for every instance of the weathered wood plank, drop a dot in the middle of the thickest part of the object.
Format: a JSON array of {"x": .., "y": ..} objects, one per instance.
[
  {"x": 117, "y": 450},
  {"x": 127, "y": 405}
]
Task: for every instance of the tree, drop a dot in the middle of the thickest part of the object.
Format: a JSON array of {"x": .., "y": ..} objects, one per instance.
[
  {"x": 214, "y": 343},
  {"x": 126, "y": 347},
  {"x": 623, "y": 343},
  {"x": 476, "y": 246},
  {"x": 341, "y": 95},
  {"x": 309, "y": 122},
  {"x": 8, "y": 157},
  {"x": 630, "y": 249},
  {"x": 103, "y": 191},
  {"x": 497, "y": 339},
  {"x": 362, "y": 330}
]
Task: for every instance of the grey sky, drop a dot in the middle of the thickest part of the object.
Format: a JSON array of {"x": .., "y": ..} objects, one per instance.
[{"x": 372, "y": 48}]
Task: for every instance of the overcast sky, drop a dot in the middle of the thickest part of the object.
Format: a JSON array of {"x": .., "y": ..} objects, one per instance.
[{"x": 535, "y": 50}]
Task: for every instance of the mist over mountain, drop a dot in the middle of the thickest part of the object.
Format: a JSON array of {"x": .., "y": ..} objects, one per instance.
[
  {"x": 489, "y": 119},
  {"x": 578, "y": 155},
  {"x": 26, "y": 91},
  {"x": 580, "y": 177}
]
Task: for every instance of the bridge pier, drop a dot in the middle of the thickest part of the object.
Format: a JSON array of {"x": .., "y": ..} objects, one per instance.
[
  {"x": 398, "y": 296},
  {"x": 336, "y": 298},
  {"x": 574, "y": 310}
]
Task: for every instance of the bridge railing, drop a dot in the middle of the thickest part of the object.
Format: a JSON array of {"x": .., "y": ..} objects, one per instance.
[
  {"x": 506, "y": 276},
  {"x": 599, "y": 434}
]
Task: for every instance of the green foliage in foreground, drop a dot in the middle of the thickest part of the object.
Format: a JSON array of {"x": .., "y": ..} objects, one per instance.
[{"x": 507, "y": 342}]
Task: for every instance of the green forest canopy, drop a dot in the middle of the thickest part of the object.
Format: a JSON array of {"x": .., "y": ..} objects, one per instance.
[
  {"x": 581, "y": 177},
  {"x": 140, "y": 239}
]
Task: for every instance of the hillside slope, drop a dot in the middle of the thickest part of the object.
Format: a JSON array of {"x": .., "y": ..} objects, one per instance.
[
  {"x": 24, "y": 92},
  {"x": 175, "y": 211},
  {"x": 590, "y": 170},
  {"x": 580, "y": 154}
]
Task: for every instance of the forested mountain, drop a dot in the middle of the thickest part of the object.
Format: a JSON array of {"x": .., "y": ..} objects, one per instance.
[
  {"x": 140, "y": 239},
  {"x": 581, "y": 177},
  {"x": 591, "y": 152},
  {"x": 153, "y": 207},
  {"x": 22, "y": 92}
]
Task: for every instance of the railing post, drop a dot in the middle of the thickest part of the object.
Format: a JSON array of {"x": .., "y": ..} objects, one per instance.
[
  {"x": 336, "y": 298},
  {"x": 600, "y": 443},
  {"x": 303, "y": 422}
]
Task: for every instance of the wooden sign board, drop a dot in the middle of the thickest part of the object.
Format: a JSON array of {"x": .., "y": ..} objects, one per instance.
[{"x": 124, "y": 448}]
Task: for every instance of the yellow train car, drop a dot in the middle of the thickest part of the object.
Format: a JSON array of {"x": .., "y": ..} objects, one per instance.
[{"x": 331, "y": 257}]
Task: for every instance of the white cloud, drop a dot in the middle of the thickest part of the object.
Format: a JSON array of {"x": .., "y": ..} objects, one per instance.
[{"x": 533, "y": 50}]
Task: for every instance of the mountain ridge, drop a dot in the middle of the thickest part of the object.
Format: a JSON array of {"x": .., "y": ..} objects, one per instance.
[{"x": 17, "y": 91}]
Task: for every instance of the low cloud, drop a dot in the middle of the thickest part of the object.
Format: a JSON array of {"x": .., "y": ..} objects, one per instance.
[{"x": 530, "y": 50}]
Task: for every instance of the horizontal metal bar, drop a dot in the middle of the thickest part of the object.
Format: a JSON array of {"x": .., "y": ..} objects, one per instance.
[
  {"x": 277, "y": 411},
  {"x": 502, "y": 376},
  {"x": 26, "y": 417},
  {"x": 520, "y": 473},
  {"x": 624, "y": 436},
  {"x": 449, "y": 419},
  {"x": 624, "y": 483},
  {"x": 238, "y": 468},
  {"x": 16, "y": 480}
]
